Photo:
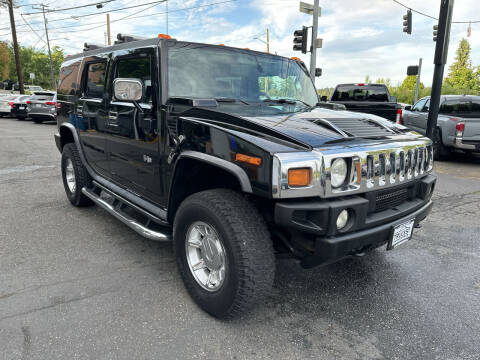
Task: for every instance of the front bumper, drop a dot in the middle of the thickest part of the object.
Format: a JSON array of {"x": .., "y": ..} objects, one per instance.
[
  {"x": 313, "y": 223},
  {"x": 459, "y": 144}
]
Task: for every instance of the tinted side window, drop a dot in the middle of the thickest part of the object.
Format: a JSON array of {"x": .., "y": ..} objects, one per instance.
[
  {"x": 419, "y": 105},
  {"x": 95, "y": 79},
  {"x": 476, "y": 106},
  {"x": 455, "y": 107},
  {"x": 138, "y": 68},
  {"x": 67, "y": 82}
]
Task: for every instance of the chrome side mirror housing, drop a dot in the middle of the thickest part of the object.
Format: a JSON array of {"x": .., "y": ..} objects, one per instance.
[{"x": 128, "y": 89}]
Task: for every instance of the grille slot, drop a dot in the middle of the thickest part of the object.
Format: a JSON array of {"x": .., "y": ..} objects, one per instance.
[
  {"x": 388, "y": 199},
  {"x": 361, "y": 127}
]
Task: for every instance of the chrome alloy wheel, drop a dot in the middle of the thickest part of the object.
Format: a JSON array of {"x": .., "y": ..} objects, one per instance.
[
  {"x": 70, "y": 176},
  {"x": 205, "y": 255}
]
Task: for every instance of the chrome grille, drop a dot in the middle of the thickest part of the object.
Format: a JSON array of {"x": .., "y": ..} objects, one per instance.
[{"x": 374, "y": 170}]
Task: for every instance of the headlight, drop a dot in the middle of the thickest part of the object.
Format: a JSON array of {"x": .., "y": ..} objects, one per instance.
[{"x": 338, "y": 172}]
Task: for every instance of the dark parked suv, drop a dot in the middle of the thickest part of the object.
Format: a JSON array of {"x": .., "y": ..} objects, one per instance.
[{"x": 227, "y": 153}]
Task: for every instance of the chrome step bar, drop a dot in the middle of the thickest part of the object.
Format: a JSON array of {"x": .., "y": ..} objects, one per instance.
[{"x": 116, "y": 211}]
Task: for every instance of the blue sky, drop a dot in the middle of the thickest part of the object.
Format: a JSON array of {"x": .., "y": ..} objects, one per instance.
[{"x": 360, "y": 37}]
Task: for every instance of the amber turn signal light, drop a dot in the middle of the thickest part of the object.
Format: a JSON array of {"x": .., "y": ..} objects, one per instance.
[
  {"x": 248, "y": 159},
  {"x": 299, "y": 177}
]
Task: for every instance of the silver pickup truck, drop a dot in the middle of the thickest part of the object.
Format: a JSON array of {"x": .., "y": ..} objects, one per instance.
[{"x": 458, "y": 124}]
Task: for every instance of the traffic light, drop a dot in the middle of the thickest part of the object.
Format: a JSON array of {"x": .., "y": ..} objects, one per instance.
[
  {"x": 435, "y": 32},
  {"x": 300, "y": 40},
  {"x": 407, "y": 22}
]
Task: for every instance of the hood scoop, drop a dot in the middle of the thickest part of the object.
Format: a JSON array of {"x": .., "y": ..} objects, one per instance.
[{"x": 356, "y": 127}]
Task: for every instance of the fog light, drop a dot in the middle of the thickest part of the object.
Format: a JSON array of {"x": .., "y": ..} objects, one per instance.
[{"x": 342, "y": 219}]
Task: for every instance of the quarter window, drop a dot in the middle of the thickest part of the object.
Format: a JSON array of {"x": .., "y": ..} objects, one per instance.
[
  {"x": 95, "y": 79},
  {"x": 455, "y": 107}
]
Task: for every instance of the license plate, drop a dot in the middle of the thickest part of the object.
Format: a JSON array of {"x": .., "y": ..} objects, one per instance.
[
  {"x": 401, "y": 234},
  {"x": 38, "y": 105},
  {"x": 21, "y": 107}
]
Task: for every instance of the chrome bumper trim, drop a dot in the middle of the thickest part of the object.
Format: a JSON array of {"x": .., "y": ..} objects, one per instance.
[{"x": 460, "y": 145}]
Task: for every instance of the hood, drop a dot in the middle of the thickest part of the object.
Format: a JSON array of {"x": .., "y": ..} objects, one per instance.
[{"x": 310, "y": 128}]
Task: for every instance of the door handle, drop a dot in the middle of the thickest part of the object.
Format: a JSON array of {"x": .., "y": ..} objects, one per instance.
[{"x": 112, "y": 115}]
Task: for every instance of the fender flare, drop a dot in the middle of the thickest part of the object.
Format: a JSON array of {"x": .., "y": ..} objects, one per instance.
[
  {"x": 232, "y": 168},
  {"x": 157, "y": 211}
]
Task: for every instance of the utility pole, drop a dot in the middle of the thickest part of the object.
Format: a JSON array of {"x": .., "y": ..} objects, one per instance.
[
  {"x": 108, "y": 29},
  {"x": 418, "y": 80},
  {"x": 442, "y": 37},
  {"x": 52, "y": 73},
  {"x": 313, "y": 54},
  {"x": 268, "y": 42},
  {"x": 18, "y": 65},
  {"x": 166, "y": 14}
]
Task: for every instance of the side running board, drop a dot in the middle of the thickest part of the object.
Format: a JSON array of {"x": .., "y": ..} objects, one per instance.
[{"x": 135, "y": 218}]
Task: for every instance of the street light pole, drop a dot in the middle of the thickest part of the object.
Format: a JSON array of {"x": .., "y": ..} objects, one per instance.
[
  {"x": 441, "y": 51},
  {"x": 18, "y": 65},
  {"x": 52, "y": 73},
  {"x": 313, "y": 54},
  {"x": 418, "y": 80},
  {"x": 108, "y": 29}
]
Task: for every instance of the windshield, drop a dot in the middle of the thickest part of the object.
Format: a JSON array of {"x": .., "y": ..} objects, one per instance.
[
  {"x": 205, "y": 71},
  {"x": 360, "y": 93}
]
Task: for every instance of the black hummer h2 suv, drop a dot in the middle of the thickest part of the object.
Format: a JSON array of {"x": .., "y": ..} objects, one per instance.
[{"x": 227, "y": 153}]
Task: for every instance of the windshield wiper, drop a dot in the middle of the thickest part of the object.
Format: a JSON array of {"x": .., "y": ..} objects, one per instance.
[
  {"x": 288, "y": 101},
  {"x": 231, "y": 100}
]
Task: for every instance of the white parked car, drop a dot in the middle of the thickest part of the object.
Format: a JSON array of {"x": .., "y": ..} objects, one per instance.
[{"x": 6, "y": 103}]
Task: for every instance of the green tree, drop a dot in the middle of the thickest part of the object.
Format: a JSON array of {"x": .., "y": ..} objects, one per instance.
[
  {"x": 462, "y": 75},
  {"x": 37, "y": 62},
  {"x": 4, "y": 61}
]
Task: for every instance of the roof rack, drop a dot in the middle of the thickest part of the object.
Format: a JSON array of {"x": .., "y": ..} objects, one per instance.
[
  {"x": 88, "y": 47},
  {"x": 123, "y": 38}
]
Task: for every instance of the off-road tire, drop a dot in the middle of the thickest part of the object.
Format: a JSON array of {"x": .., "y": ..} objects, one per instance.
[
  {"x": 82, "y": 178},
  {"x": 439, "y": 150},
  {"x": 249, "y": 252}
]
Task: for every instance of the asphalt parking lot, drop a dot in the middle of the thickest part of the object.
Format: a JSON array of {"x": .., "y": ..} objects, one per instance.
[{"x": 78, "y": 284}]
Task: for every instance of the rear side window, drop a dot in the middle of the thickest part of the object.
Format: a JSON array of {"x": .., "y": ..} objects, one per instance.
[
  {"x": 456, "y": 107},
  {"x": 476, "y": 106},
  {"x": 138, "y": 68},
  {"x": 360, "y": 93},
  {"x": 95, "y": 79},
  {"x": 67, "y": 82}
]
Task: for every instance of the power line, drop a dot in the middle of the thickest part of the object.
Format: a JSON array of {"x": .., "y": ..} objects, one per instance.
[
  {"x": 159, "y": 13},
  {"x": 70, "y": 8},
  {"x": 433, "y": 17},
  {"x": 113, "y": 10},
  {"x": 131, "y": 16},
  {"x": 31, "y": 28}
]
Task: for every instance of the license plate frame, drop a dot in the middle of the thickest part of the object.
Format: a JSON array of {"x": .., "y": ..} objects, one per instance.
[{"x": 401, "y": 233}]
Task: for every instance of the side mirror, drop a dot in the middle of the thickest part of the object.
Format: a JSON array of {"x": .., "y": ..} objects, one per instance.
[
  {"x": 408, "y": 107},
  {"x": 318, "y": 72},
  {"x": 127, "y": 89},
  {"x": 323, "y": 98},
  {"x": 393, "y": 98}
]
